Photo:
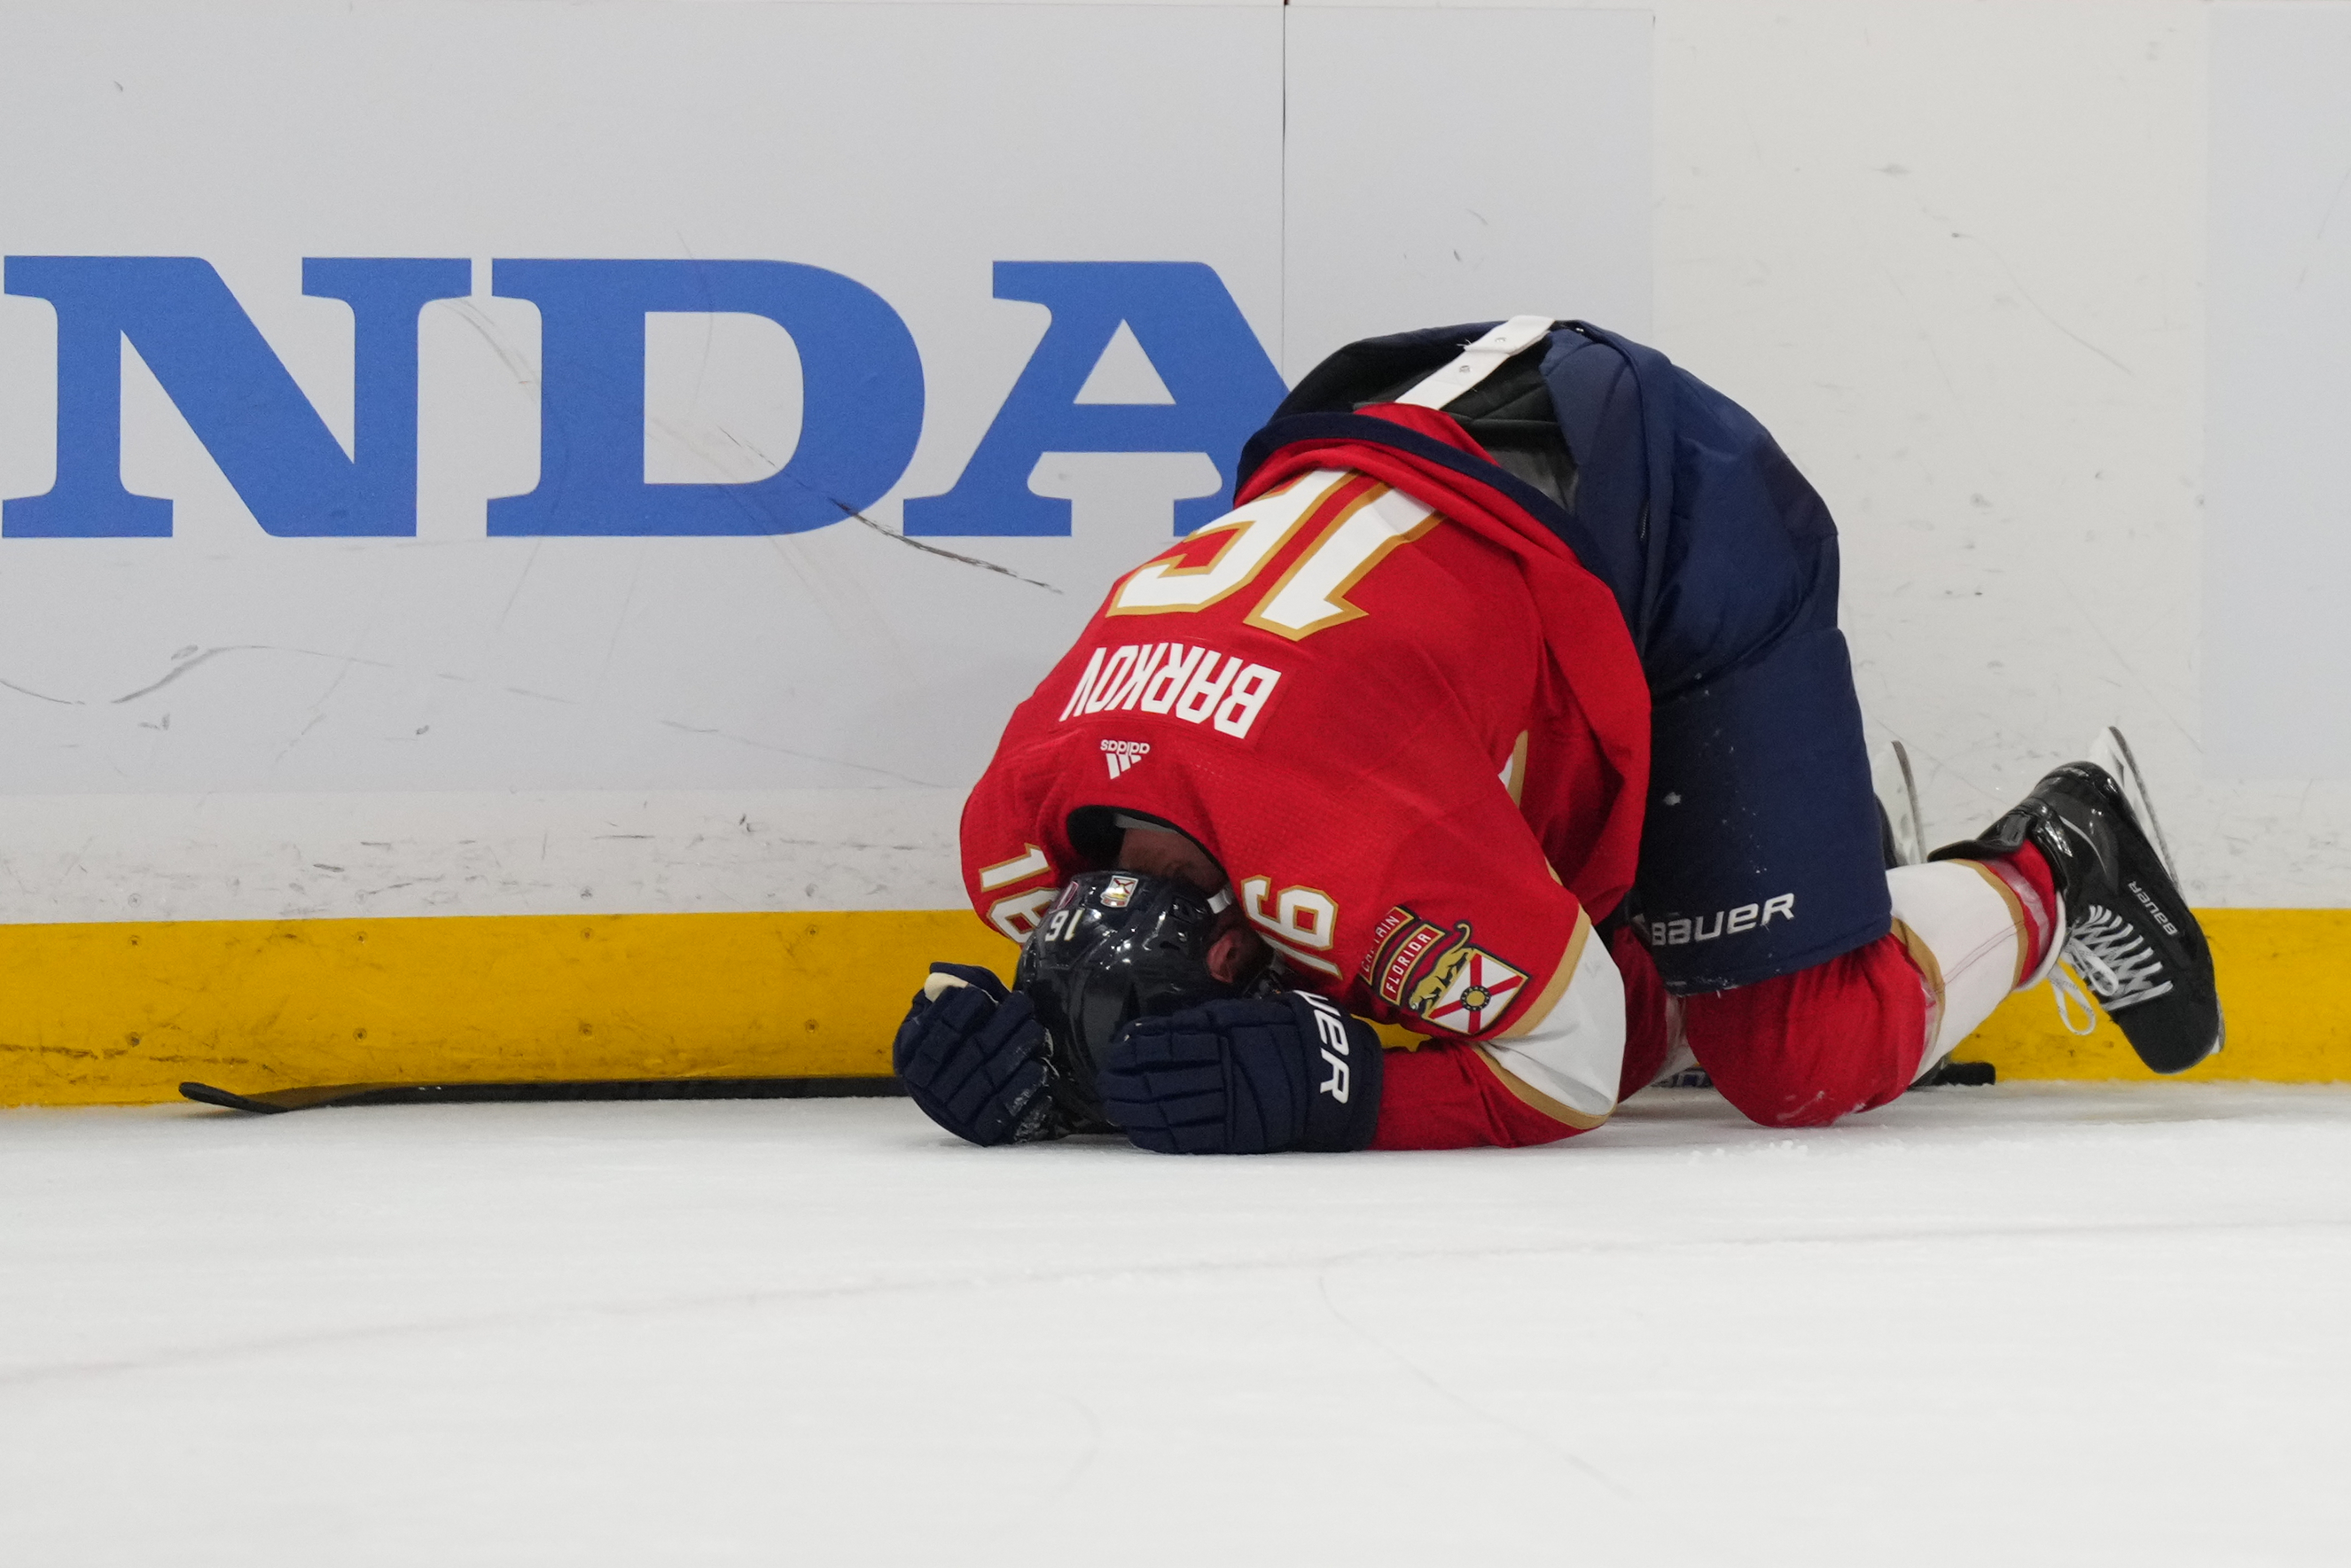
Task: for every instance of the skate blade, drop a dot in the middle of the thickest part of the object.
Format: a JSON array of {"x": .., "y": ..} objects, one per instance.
[
  {"x": 2113, "y": 753},
  {"x": 1896, "y": 786}
]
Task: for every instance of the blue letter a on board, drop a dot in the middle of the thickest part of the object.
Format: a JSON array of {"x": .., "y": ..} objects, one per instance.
[{"x": 1221, "y": 383}]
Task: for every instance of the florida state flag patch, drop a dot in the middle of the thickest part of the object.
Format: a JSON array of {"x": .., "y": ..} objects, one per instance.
[{"x": 1438, "y": 974}]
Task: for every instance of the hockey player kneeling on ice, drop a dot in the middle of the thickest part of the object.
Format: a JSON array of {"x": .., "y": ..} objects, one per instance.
[{"x": 1507, "y": 708}]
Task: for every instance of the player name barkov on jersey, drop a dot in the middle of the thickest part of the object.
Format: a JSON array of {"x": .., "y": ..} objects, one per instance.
[{"x": 1192, "y": 682}]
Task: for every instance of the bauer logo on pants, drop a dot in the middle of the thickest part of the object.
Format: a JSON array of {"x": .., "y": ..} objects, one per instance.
[{"x": 1680, "y": 931}]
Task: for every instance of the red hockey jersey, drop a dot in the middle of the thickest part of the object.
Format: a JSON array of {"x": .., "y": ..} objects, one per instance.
[{"x": 1402, "y": 718}]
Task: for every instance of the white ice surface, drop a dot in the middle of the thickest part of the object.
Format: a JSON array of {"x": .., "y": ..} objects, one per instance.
[{"x": 2034, "y": 1324}]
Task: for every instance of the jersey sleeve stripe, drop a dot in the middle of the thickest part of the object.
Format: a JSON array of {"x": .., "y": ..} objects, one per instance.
[
  {"x": 1556, "y": 987},
  {"x": 1566, "y": 1055},
  {"x": 1529, "y": 1095}
]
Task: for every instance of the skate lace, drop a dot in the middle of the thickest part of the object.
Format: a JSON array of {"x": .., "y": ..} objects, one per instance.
[
  {"x": 2070, "y": 995},
  {"x": 2116, "y": 961}
]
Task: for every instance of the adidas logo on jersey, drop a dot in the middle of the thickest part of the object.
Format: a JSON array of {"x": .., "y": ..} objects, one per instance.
[{"x": 1122, "y": 755}]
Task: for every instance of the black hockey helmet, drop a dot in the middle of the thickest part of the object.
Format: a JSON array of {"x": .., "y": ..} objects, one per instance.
[{"x": 1115, "y": 946}]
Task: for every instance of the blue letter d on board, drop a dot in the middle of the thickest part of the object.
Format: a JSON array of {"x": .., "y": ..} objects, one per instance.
[{"x": 861, "y": 397}]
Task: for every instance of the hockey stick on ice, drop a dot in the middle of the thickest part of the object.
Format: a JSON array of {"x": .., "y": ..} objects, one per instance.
[{"x": 275, "y": 1100}]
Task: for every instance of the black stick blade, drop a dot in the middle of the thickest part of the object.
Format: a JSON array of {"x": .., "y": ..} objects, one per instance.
[{"x": 206, "y": 1094}]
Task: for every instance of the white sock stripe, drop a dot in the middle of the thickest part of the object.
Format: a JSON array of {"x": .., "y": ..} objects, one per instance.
[{"x": 1970, "y": 928}]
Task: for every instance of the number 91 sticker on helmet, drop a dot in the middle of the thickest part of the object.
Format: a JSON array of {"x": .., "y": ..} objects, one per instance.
[{"x": 1115, "y": 947}]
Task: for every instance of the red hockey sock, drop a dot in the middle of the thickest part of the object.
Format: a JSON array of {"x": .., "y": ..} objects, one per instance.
[{"x": 2027, "y": 875}]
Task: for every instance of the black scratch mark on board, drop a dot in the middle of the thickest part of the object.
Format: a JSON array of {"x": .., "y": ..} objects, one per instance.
[
  {"x": 211, "y": 654},
  {"x": 943, "y": 554},
  {"x": 27, "y": 690}
]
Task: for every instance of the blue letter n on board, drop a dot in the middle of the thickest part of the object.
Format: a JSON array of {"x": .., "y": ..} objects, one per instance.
[{"x": 234, "y": 392}]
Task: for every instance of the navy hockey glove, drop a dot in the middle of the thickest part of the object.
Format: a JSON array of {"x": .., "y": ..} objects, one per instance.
[
  {"x": 1246, "y": 1077},
  {"x": 972, "y": 1055}
]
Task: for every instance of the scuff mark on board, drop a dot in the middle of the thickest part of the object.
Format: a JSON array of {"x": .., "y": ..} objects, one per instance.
[
  {"x": 783, "y": 470},
  {"x": 209, "y": 655},
  {"x": 27, "y": 690},
  {"x": 803, "y": 756},
  {"x": 944, "y": 554}
]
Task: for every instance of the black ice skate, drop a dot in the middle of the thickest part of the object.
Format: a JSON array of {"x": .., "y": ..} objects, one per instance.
[{"x": 2127, "y": 931}]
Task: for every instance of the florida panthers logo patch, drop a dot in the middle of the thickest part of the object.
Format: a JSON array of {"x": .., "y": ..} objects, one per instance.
[{"x": 1438, "y": 973}]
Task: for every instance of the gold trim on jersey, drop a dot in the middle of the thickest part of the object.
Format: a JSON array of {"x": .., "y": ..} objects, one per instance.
[
  {"x": 1032, "y": 861},
  {"x": 1336, "y": 596},
  {"x": 1556, "y": 987},
  {"x": 1528, "y": 1094},
  {"x": 1237, "y": 525},
  {"x": 1514, "y": 778}
]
